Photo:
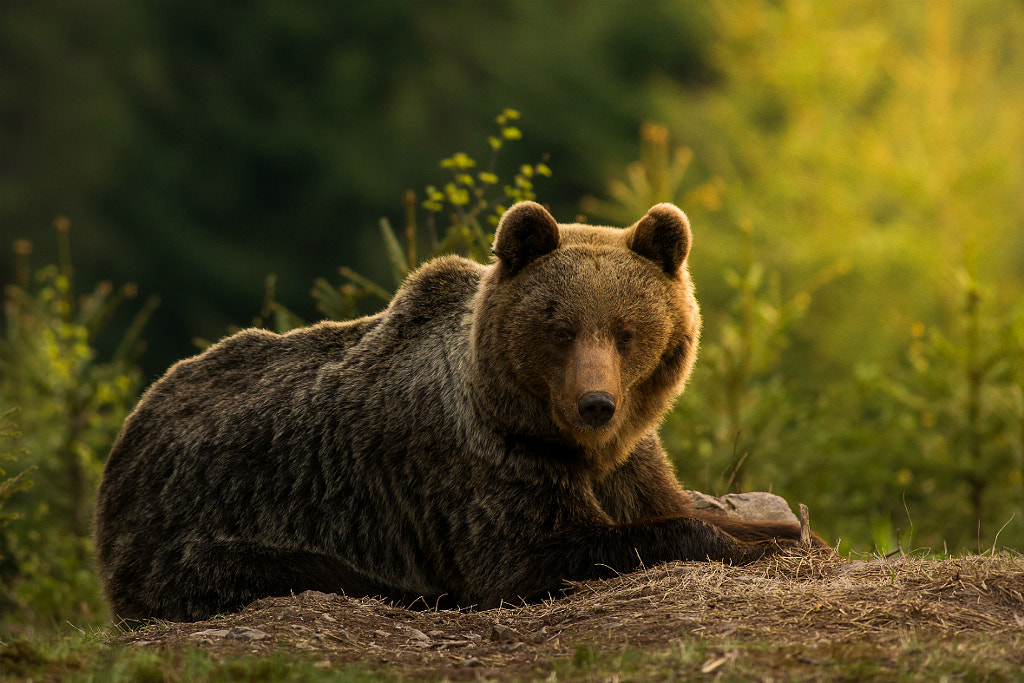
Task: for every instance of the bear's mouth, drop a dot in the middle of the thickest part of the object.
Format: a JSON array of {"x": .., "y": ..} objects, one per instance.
[{"x": 580, "y": 430}]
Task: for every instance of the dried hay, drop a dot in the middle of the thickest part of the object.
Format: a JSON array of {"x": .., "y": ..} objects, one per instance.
[{"x": 800, "y": 601}]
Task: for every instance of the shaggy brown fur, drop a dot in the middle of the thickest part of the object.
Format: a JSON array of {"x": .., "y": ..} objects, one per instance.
[{"x": 486, "y": 437}]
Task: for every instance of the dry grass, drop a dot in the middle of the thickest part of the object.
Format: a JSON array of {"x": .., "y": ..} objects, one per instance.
[{"x": 804, "y": 615}]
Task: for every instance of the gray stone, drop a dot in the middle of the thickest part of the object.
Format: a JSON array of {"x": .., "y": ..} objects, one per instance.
[
  {"x": 246, "y": 633},
  {"x": 211, "y": 633},
  {"x": 757, "y": 506},
  {"x": 503, "y": 634}
]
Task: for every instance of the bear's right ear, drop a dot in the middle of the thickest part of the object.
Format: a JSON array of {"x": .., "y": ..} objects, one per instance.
[
  {"x": 663, "y": 236},
  {"x": 526, "y": 232}
]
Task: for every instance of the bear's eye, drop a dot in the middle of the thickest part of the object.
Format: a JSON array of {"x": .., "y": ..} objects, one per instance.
[
  {"x": 562, "y": 336},
  {"x": 624, "y": 338}
]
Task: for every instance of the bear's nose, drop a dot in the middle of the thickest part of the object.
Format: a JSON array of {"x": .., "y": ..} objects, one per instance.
[{"x": 596, "y": 407}]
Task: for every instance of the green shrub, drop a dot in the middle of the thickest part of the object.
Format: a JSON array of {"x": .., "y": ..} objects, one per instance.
[
  {"x": 959, "y": 396},
  {"x": 9, "y": 486},
  {"x": 72, "y": 404},
  {"x": 461, "y": 216}
]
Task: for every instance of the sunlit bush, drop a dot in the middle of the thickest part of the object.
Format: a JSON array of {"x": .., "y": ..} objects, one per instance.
[{"x": 71, "y": 404}]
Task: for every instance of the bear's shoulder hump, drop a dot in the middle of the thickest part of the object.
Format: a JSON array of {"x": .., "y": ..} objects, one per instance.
[{"x": 441, "y": 283}]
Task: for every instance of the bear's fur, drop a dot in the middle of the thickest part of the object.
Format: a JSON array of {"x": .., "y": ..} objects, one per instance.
[{"x": 488, "y": 436}]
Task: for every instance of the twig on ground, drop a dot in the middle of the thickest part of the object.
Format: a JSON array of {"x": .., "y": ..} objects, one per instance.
[{"x": 805, "y": 527}]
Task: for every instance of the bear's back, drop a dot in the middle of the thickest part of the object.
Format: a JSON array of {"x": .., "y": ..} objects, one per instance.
[{"x": 261, "y": 433}]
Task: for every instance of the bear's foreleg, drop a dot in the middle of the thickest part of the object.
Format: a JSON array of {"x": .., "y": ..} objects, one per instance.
[
  {"x": 755, "y": 532},
  {"x": 607, "y": 551}
]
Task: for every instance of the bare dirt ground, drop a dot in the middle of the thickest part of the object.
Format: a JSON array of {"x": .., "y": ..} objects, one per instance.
[{"x": 806, "y": 613}]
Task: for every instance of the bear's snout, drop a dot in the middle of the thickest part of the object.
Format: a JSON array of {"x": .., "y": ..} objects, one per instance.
[{"x": 596, "y": 407}]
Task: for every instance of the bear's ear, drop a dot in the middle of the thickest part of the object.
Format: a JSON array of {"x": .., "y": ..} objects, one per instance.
[
  {"x": 526, "y": 232},
  {"x": 663, "y": 236}
]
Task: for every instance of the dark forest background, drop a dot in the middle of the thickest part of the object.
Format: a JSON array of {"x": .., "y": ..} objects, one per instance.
[
  {"x": 197, "y": 147},
  {"x": 854, "y": 173}
]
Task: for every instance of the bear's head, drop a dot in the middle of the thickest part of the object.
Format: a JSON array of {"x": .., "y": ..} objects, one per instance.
[{"x": 585, "y": 334}]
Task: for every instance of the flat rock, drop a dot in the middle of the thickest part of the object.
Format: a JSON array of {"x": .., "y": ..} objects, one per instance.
[
  {"x": 211, "y": 633},
  {"x": 757, "y": 506},
  {"x": 503, "y": 634},
  {"x": 246, "y": 633}
]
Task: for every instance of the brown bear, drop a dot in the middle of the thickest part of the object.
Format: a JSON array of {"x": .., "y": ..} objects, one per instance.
[{"x": 488, "y": 436}]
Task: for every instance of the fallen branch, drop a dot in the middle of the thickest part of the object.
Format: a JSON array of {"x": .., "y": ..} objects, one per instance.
[{"x": 805, "y": 527}]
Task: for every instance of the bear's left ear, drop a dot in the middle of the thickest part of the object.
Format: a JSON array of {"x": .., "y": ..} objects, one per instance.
[
  {"x": 663, "y": 236},
  {"x": 526, "y": 232}
]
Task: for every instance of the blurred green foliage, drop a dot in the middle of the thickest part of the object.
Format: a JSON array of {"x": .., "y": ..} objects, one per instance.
[
  {"x": 852, "y": 171},
  {"x": 200, "y": 147},
  {"x": 467, "y": 209},
  {"x": 72, "y": 403},
  {"x": 882, "y": 137},
  {"x": 871, "y": 158},
  {"x": 9, "y": 486}
]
